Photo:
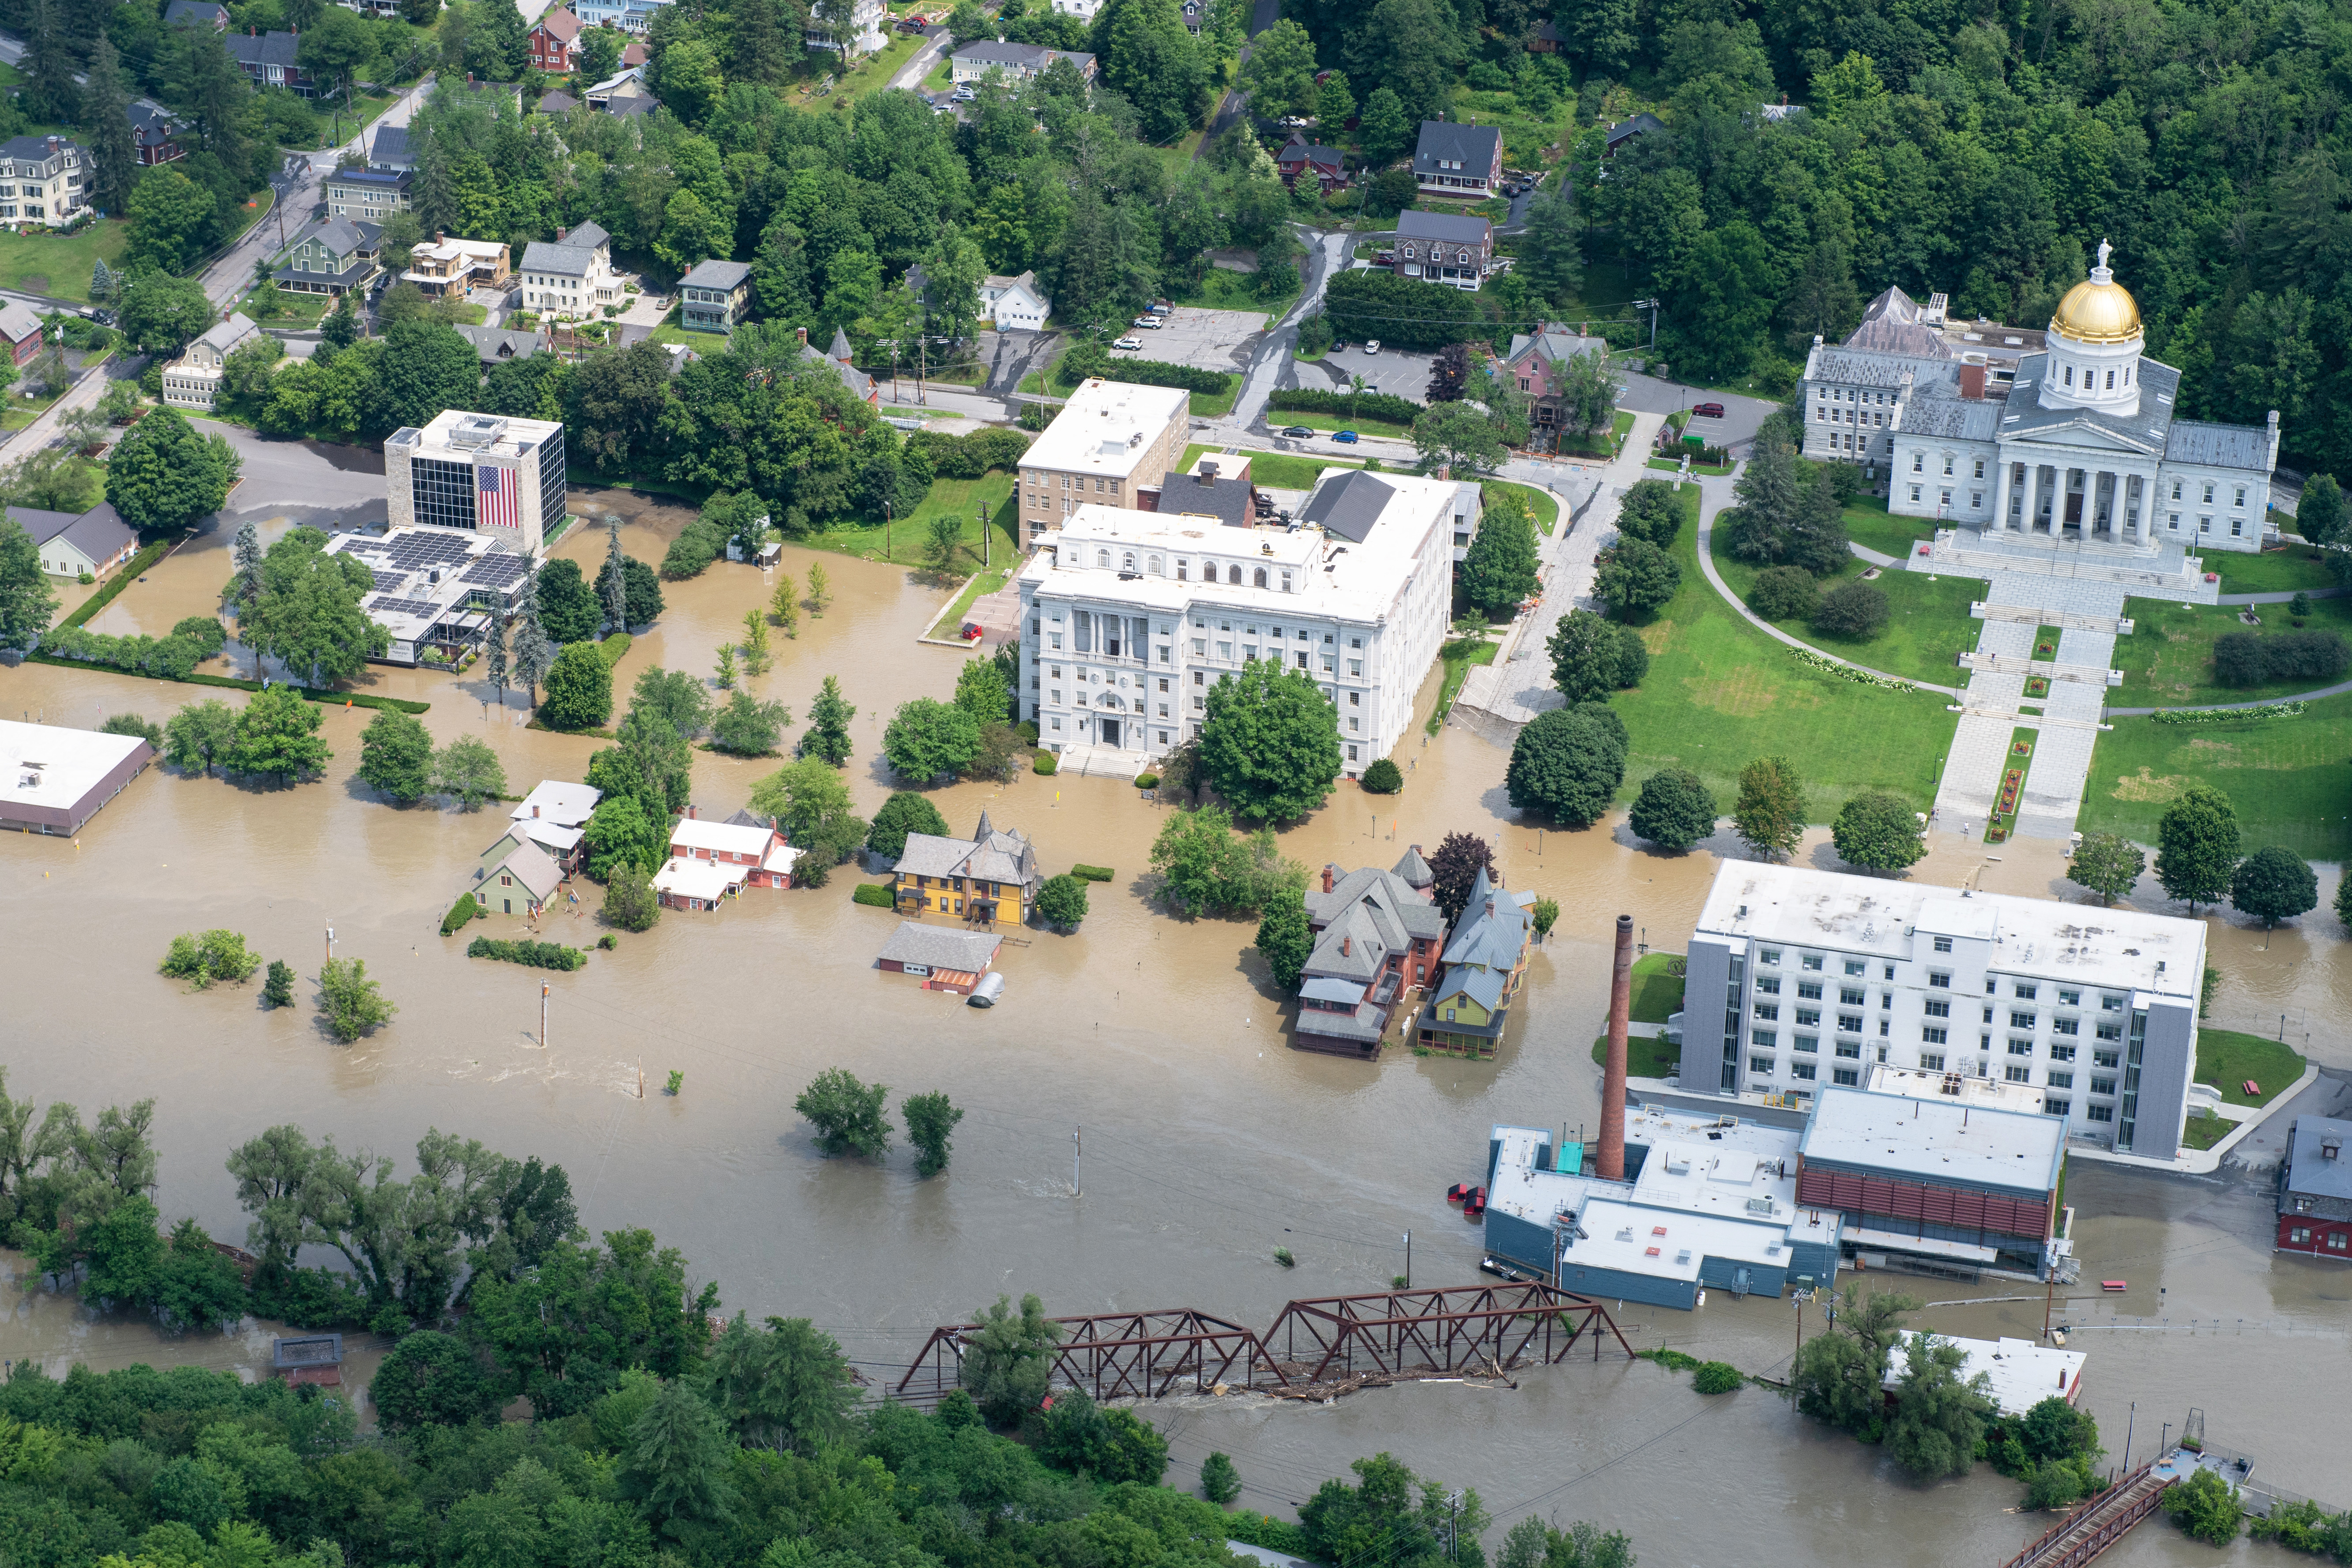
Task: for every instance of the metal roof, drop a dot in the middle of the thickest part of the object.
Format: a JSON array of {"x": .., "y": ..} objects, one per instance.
[
  {"x": 1953, "y": 419},
  {"x": 1348, "y": 506},
  {"x": 2145, "y": 430},
  {"x": 558, "y": 800},
  {"x": 2308, "y": 1169},
  {"x": 991, "y": 854},
  {"x": 2245, "y": 446},
  {"x": 1934, "y": 1140}
]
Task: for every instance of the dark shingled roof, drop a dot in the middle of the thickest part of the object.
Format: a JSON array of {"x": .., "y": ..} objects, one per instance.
[
  {"x": 2144, "y": 431},
  {"x": 1474, "y": 146},
  {"x": 1453, "y": 228},
  {"x": 1348, "y": 506}
]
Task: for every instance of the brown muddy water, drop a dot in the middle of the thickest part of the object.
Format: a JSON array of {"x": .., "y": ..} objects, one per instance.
[{"x": 1208, "y": 1142}]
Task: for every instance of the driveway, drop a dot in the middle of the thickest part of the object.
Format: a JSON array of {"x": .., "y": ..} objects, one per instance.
[
  {"x": 909, "y": 77},
  {"x": 1741, "y": 416},
  {"x": 1392, "y": 371}
]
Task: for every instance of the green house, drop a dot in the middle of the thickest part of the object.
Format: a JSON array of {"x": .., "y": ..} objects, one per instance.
[{"x": 341, "y": 256}]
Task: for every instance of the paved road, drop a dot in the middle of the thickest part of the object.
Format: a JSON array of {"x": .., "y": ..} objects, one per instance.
[{"x": 909, "y": 77}]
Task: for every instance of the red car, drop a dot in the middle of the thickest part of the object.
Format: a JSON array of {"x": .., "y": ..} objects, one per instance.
[
  {"x": 1458, "y": 1192},
  {"x": 1708, "y": 411}
]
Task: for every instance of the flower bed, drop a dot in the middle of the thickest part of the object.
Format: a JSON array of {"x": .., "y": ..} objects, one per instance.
[
  {"x": 2021, "y": 748},
  {"x": 2226, "y": 715},
  {"x": 2037, "y": 686},
  {"x": 1828, "y": 666}
]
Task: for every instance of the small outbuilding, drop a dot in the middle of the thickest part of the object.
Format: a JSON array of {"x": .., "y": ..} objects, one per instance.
[
  {"x": 2019, "y": 1373},
  {"x": 944, "y": 960},
  {"x": 54, "y": 779},
  {"x": 2314, "y": 1196},
  {"x": 312, "y": 1358}
]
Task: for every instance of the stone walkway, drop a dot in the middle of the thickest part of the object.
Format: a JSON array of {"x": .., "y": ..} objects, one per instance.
[{"x": 2081, "y": 589}]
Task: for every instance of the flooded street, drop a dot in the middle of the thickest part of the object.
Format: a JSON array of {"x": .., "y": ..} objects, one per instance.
[{"x": 1208, "y": 1142}]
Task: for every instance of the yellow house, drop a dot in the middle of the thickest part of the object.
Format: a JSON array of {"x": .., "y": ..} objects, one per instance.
[{"x": 990, "y": 880}]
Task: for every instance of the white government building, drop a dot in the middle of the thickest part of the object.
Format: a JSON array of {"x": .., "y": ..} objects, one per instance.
[
  {"x": 1128, "y": 617},
  {"x": 2067, "y": 434},
  {"x": 1799, "y": 979}
]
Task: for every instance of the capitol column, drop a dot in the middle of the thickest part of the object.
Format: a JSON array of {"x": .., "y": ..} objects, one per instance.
[{"x": 2000, "y": 495}]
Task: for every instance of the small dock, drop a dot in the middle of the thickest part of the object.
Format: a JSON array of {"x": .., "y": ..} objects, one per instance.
[{"x": 2098, "y": 1525}]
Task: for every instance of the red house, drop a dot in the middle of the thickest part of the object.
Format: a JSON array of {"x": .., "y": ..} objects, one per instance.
[
  {"x": 20, "y": 332},
  {"x": 155, "y": 136},
  {"x": 2314, "y": 1196},
  {"x": 712, "y": 860},
  {"x": 1299, "y": 155},
  {"x": 555, "y": 42}
]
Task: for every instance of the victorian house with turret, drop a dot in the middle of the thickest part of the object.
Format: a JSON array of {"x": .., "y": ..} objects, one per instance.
[{"x": 2068, "y": 433}]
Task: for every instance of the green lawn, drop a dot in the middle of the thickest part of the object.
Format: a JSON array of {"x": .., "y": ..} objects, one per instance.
[
  {"x": 1868, "y": 525},
  {"x": 987, "y": 581},
  {"x": 1720, "y": 693},
  {"x": 2227, "y": 1060},
  {"x": 293, "y": 310},
  {"x": 1525, "y": 137},
  {"x": 2167, "y": 661},
  {"x": 1280, "y": 469},
  {"x": 2291, "y": 779},
  {"x": 1222, "y": 291},
  {"x": 1278, "y": 417},
  {"x": 59, "y": 265},
  {"x": 1927, "y": 623},
  {"x": 909, "y": 536},
  {"x": 1674, "y": 465},
  {"x": 1644, "y": 1058},
  {"x": 1657, "y": 994},
  {"x": 873, "y": 73},
  {"x": 1541, "y": 503},
  {"x": 2272, "y": 571},
  {"x": 2204, "y": 1132},
  {"x": 1461, "y": 655}
]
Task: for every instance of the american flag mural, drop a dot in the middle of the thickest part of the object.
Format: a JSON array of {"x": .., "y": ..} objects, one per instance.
[{"x": 494, "y": 497}]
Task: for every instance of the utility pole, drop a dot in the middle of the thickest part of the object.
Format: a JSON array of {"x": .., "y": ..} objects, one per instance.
[
  {"x": 988, "y": 559},
  {"x": 886, "y": 531},
  {"x": 542, "y": 1018},
  {"x": 331, "y": 945},
  {"x": 1651, "y": 306},
  {"x": 2130, "y": 1421},
  {"x": 1077, "y": 1148},
  {"x": 1408, "y": 1260}
]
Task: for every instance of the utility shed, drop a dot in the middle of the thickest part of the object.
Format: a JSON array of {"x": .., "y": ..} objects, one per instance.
[
  {"x": 312, "y": 1358},
  {"x": 945, "y": 960}
]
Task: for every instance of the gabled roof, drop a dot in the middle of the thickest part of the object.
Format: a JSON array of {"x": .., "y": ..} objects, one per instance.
[
  {"x": 195, "y": 14},
  {"x": 1348, "y": 506},
  {"x": 936, "y": 947},
  {"x": 700, "y": 833},
  {"x": 1228, "y": 500},
  {"x": 1453, "y": 228},
  {"x": 2309, "y": 1170},
  {"x": 344, "y": 235},
  {"x": 1891, "y": 325},
  {"x": 557, "y": 102},
  {"x": 720, "y": 274},
  {"x": 560, "y": 25},
  {"x": 226, "y": 335},
  {"x": 1641, "y": 125},
  {"x": 390, "y": 147},
  {"x": 267, "y": 49},
  {"x": 995, "y": 52},
  {"x": 2145, "y": 431},
  {"x": 149, "y": 123},
  {"x": 1299, "y": 149},
  {"x": 516, "y": 856},
  {"x": 860, "y": 384},
  {"x": 1496, "y": 940},
  {"x": 992, "y": 854},
  {"x": 1484, "y": 986},
  {"x": 36, "y": 149},
  {"x": 1474, "y": 147},
  {"x": 1952, "y": 418},
  {"x": 559, "y": 800},
  {"x": 17, "y": 321},
  {"x": 100, "y": 533},
  {"x": 43, "y": 525},
  {"x": 493, "y": 346}
]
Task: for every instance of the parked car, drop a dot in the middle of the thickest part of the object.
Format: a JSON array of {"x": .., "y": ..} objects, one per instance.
[
  {"x": 1347, "y": 437},
  {"x": 1147, "y": 319},
  {"x": 1162, "y": 308},
  {"x": 1131, "y": 341},
  {"x": 965, "y": 94},
  {"x": 1298, "y": 433},
  {"x": 1708, "y": 411},
  {"x": 1371, "y": 345}
]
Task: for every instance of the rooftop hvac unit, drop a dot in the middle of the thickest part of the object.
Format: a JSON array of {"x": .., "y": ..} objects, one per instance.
[{"x": 1759, "y": 1206}]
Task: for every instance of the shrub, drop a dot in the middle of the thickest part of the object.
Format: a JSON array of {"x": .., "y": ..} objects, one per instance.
[
  {"x": 1784, "y": 594},
  {"x": 135, "y": 725},
  {"x": 1043, "y": 764},
  {"x": 1649, "y": 512},
  {"x": 533, "y": 954},
  {"x": 1147, "y": 781},
  {"x": 201, "y": 958},
  {"x": 1856, "y": 611},
  {"x": 1062, "y": 902},
  {"x": 578, "y": 694},
  {"x": 1157, "y": 373},
  {"x": 460, "y": 912},
  {"x": 204, "y": 631},
  {"x": 630, "y": 901},
  {"x": 2246, "y": 658},
  {"x": 1384, "y": 407},
  {"x": 874, "y": 896},
  {"x": 1716, "y": 1377},
  {"x": 969, "y": 457},
  {"x": 1383, "y": 778},
  {"x": 1093, "y": 873},
  {"x": 1546, "y": 915},
  {"x": 607, "y": 942}
]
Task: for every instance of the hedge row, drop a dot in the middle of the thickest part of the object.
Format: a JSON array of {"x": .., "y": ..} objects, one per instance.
[
  {"x": 160, "y": 659},
  {"x": 1093, "y": 873},
  {"x": 874, "y": 896},
  {"x": 535, "y": 955},
  {"x": 115, "y": 584},
  {"x": 1160, "y": 373},
  {"x": 969, "y": 457},
  {"x": 1383, "y": 405},
  {"x": 463, "y": 910},
  {"x": 310, "y": 693}
]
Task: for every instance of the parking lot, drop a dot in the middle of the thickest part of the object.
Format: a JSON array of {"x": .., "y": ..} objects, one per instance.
[
  {"x": 1206, "y": 339},
  {"x": 1389, "y": 371}
]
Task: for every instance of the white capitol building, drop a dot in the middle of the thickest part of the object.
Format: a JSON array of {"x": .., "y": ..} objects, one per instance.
[{"x": 2064, "y": 434}]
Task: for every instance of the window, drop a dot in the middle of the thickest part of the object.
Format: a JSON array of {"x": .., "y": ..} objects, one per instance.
[
  {"x": 2204, "y": 525},
  {"x": 1810, "y": 1017},
  {"x": 1812, "y": 961},
  {"x": 1915, "y": 492},
  {"x": 1810, "y": 989},
  {"x": 2018, "y": 1047},
  {"x": 2017, "y": 1074},
  {"x": 1943, "y": 944},
  {"x": 2061, "y": 1079},
  {"x": 1762, "y": 1039},
  {"x": 1809, "y": 1043},
  {"x": 2241, "y": 496},
  {"x": 1854, "y": 966},
  {"x": 2099, "y": 1113},
  {"x": 1801, "y": 1069},
  {"x": 1939, "y": 979},
  {"x": 1767, "y": 1011},
  {"x": 2101, "y": 1085},
  {"x": 2298, "y": 1236},
  {"x": 1761, "y": 1066},
  {"x": 1770, "y": 955},
  {"x": 2052, "y": 1104},
  {"x": 1931, "y": 1061},
  {"x": 1850, "y": 1049},
  {"x": 1845, "y": 1075},
  {"x": 2065, "y": 1026},
  {"x": 1919, "y": 466},
  {"x": 1948, "y": 465},
  {"x": 1770, "y": 984},
  {"x": 2208, "y": 492},
  {"x": 1938, "y": 1009},
  {"x": 1851, "y": 995},
  {"x": 2059, "y": 1053},
  {"x": 2025, "y": 992},
  {"x": 2020, "y": 1020},
  {"x": 1931, "y": 1036}
]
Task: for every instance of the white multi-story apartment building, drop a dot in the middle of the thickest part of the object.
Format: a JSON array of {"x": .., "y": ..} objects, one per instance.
[
  {"x": 1112, "y": 442},
  {"x": 571, "y": 276},
  {"x": 1799, "y": 978},
  {"x": 194, "y": 380},
  {"x": 44, "y": 180},
  {"x": 1129, "y": 617}
]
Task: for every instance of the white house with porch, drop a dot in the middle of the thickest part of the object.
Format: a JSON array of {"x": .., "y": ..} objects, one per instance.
[{"x": 2077, "y": 442}]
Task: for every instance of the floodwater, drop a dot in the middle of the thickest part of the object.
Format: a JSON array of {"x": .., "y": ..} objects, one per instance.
[{"x": 1207, "y": 1142}]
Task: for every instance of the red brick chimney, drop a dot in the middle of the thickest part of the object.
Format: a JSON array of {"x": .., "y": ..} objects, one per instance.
[
  {"x": 1327, "y": 877},
  {"x": 693, "y": 813},
  {"x": 1346, "y": 945},
  {"x": 1612, "y": 1162},
  {"x": 1972, "y": 380},
  {"x": 803, "y": 335}
]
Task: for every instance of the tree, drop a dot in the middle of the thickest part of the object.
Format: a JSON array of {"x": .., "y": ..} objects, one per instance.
[
  {"x": 674, "y": 698},
  {"x": 847, "y": 1114},
  {"x": 1769, "y": 815},
  {"x": 1937, "y": 1419},
  {"x": 579, "y": 688},
  {"x": 2106, "y": 864},
  {"x": 1592, "y": 658},
  {"x": 106, "y": 134},
  {"x": 943, "y": 540},
  {"x": 928, "y": 740},
  {"x": 467, "y": 769},
  {"x": 756, "y": 656},
  {"x": 1285, "y": 942},
  {"x": 308, "y": 612},
  {"x": 930, "y": 1119},
  {"x": 1784, "y": 517},
  {"x": 164, "y": 475},
  {"x": 1454, "y": 868},
  {"x": 169, "y": 214},
  {"x": 279, "y": 733},
  {"x": 201, "y": 958},
  {"x": 27, "y": 601},
  {"x": 1879, "y": 832},
  {"x": 1147, "y": 55},
  {"x": 1637, "y": 578},
  {"x": 785, "y": 605},
  {"x": 1837, "y": 1376},
  {"x": 1219, "y": 1482},
  {"x": 1279, "y": 75},
  {"x": 1459, "y": 438},
  {"x": 1062, "y": 902},
  {"x": 350, "y": 1002},
  {"x": 1384, "y": 130},
  {"x": 568, "y": 609},
  {"x": 1675, "y": 809},
  {"x": 828, "y": 733},
  {"x": 162, "y": 314},
  {"x": 676, "y": 1465},
  {"x": 622, "y": 832},
  {"x": 1567, "y": 764},
  {"x": 747, "y": 727},
  {"x": 811, "y": 807},
  {"x": 1500, "y": 569},
  {"x": 1007, "y": 1365},
  {"x": 1855, "y": 611},
  {"x": 396, "y": 756},
  {"x": 1785, "y": 593},
  {"x": 277, "y": 986},
  {"x": 1449, "y": 374},
  {"x": 2205, "y": 1507},
  {"x": 983, "y": 690},
  {"x": 630, "y": 901},
  {"x": 430, "y": 1379},
  {"x": 905, "y": 812},
  {"x": 2197, "y": 845},
  {"x": 2273, "y": 884},
  {"x": 1270, "y": 742},
  {"x": 786, "y": 1389},
  {"x": 202, "y": 736},
  {"x": 820, "y": 587},
  {"x": 641, "y": 593}
]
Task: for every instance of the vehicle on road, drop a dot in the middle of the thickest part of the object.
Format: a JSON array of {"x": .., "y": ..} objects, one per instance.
[
  {"x": 1149, "y": 320},
  {"x": 1298, "y": 433},
  {"x": 1707, "y": 411},
  {"x": 1372, "y": 345},
  {"x": 1130, "y": 341},
  {"x": 1347, "y": 437}
]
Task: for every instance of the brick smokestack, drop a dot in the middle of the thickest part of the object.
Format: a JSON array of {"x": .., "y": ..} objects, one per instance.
[{"x": 1613, "y": 1076}]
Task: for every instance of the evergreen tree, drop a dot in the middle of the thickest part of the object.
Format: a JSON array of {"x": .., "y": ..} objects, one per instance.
[
  {"x": 676, "y": 1462},
  {"x": 49, "y": 92},
  {"x": 758, "y": 52},
  {"x": 532, "y": 652},
  {"x": 828, "y": 731},
  {"x": 106, "y": 139},
  {"x": 614, "y": 580},
  {"x": 494, "y": 656},
  {"x": 245, "y": 554}
]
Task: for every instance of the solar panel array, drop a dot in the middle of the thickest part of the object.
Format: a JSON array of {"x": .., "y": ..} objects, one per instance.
[
  {"x": 424, "y": 548},
  {"x": 500, "y": 569},
  {"x": 420, "y": 607},
  {"x": 385, "y": 581}
]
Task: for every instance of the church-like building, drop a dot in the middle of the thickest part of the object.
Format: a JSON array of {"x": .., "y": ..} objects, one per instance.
[{"x": 2067, "y": 434}]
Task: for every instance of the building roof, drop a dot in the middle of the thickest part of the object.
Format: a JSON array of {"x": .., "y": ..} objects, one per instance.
[
  {"x": 516, "y": 855},
  {"x": 631, "y": 80},
  {"x": 720, "y": 274},
  {"x": 559, "y": 801},
  {"x": 1299, "y": 149},
  {"x": 556, "y": 102},
  {"x": 226, "y": 335},
  {"x": 263, "y": 50},
  {"x": 1872, "y": 368},
  {"x": 2246, "y": 447},
  {"x": 397, "y": 179},
  {"x": 1368, "y": 915},
  {"x": 2145, "y": 430},
  {"x": 1886, "y": 1078},
  {"x": 37, "y": 149},
  {"x": 1553, "y": 343},
  {"x": 571, "y": 255},
  {"x": 1494, "y": 927},
  {"x": 1026, "y": 280},
  {"x": 991, "y": 854},
  {"x": 1625, "y": 131},
  {"x": 100, "y": 533},
  {"x": 1106, "y": 428},
  {"x": 631, "y": 107},
  {"x": 1453, "y": 228},
  {"x": 1937, "y": 1141},
  {"x": 1413, "y": 871},
  {"x": 1348, "y": 506},
  {"x": 51, "y": 766},
  {"x": 308, "y": 1349},
  {"x": 493, "y": 346},
  {"x": 390, "y": 147},
  {"x": 938, "y": 947},
  {"x": 2308, "y": 1170},
  {"x": 1229, "y": 502},
  {"x": 561, "y": 25},
  {"x": 722, "y": 837},
  {"x": 195, "y": 12},
  {"x": 1320, "y": 988},
  {"x": 149, "y": 123},
  {"x": 2118, "y": 949},
  {"x": 2019, "y": 1373},
  {"x": 688, "y": 877},
  {"x": 17, "y": 321},
  {"x": 1474, "y": 146},
  {"x": 1892, "y": 324},
  {"x": 1027, "y": 57},
  {"x": 344, "y": 236},
  {"x": 1484, "y": 986},
  {"x": 1951, "y": 418}
]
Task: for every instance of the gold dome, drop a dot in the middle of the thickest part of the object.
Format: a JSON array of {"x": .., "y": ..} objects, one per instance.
[{"x": 2097, "y": 311}]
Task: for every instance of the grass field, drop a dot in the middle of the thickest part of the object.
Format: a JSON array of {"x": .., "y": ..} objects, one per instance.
[
  {"x": 873, "y": 73},
  {"x": 2272, "y": 571},
  {"x": 2204, "y": 1132},
  {"x": 1278, "y": 417},
  {"x": 1674, "y": 465},
  {"x": 1461, "y": 655},
  {"x": 1280, "y": 469},
  {"x": 1927, "y": 622},
  {"x": 1644, "y": 1058},
  {"x": 293, "y": 310},
  {"x": 2228, "y": 1060},
  {"x": 59, "y": 265},
  {"x": 1222, "y": 289},
  {"x": 2167, "y": 661},
  {"x": 1657, "y": 994},
  {"x": 987, "y": 581},
  {"x": 910, "y": 537},
  {"x": 1543, "y": 504},
  {"x": 1868, "y": 525},
  {"x": 2290, "y": 779},
  {"x": 1720, "y": 693}
]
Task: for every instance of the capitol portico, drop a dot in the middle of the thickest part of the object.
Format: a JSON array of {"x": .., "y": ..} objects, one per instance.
[{"x": 2059, "y": 435}]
